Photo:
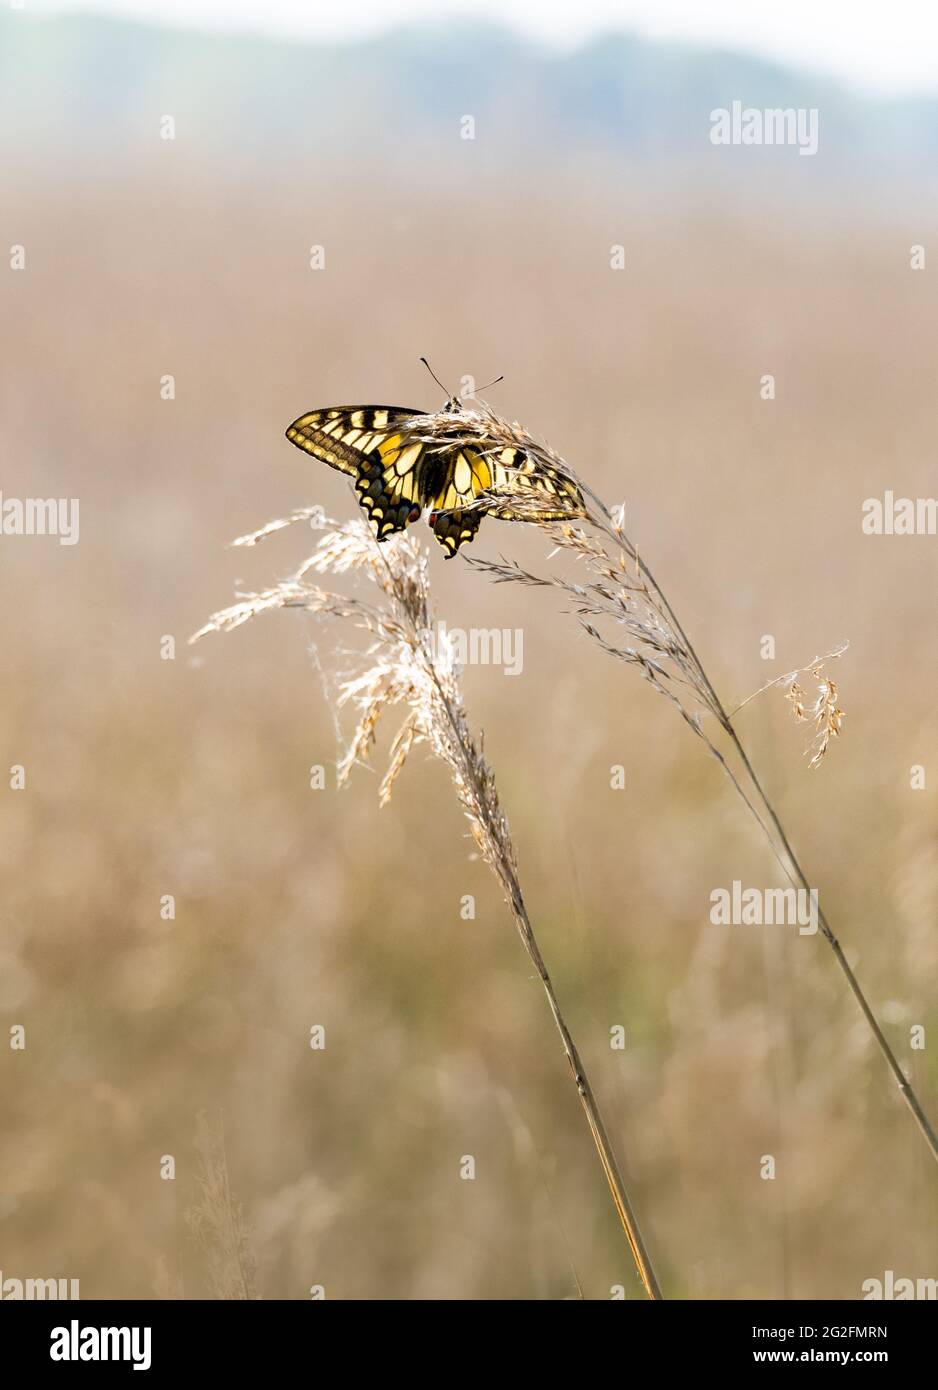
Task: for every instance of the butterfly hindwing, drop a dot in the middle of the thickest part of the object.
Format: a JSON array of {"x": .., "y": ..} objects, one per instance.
[
  {"x": 387, "y": 485},
  {"x": 457, "y": 509}
]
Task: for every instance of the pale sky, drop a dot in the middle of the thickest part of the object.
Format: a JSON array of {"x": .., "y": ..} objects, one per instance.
[{"x": 887, "y": 46}]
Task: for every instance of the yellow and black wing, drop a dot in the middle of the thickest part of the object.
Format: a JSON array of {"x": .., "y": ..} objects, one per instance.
[
  {"x": 457, "y": 478},
  {"x": 489, "y": 481},
  {"x": 542, "y": 491},
  {"x": 344, "y": 435},
  {"x": 363, "y": 442}
]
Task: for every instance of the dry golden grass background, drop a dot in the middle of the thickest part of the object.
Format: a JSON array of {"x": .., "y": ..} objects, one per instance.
[{"x": 293, "y": 907}]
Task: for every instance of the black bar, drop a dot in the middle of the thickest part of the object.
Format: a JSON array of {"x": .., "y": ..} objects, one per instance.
[{"x": 246, "y": 1338}]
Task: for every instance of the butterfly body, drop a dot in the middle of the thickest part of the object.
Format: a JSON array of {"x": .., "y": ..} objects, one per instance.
[{"x": 397, "y": 477}]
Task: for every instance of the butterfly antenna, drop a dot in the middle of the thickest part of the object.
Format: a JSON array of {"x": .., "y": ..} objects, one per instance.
[
  {"x": 449, "y": 395},
  {"x": 491, "y": 383}
]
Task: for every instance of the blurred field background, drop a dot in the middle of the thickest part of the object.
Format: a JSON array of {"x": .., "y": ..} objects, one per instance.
[{"x": 189, "y": 777}]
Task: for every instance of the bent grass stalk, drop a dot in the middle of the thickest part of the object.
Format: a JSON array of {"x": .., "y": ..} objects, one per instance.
[
  {"x": 620, "y": 590},
  {"x": 402, "y": 666}
]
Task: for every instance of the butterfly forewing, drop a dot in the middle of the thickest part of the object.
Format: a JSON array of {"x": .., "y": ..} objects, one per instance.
[{"x": 345, "y": 435}]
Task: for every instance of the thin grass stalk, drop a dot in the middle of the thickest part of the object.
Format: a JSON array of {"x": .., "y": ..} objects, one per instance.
[
  {"x": 401, "y": 667},
  {"x": 624, "y": 1209},
  {"x": 906, "y": 1089}
]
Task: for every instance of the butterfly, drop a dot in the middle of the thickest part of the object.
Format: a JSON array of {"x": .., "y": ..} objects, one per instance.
[{"x": 397, "y": 478}]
